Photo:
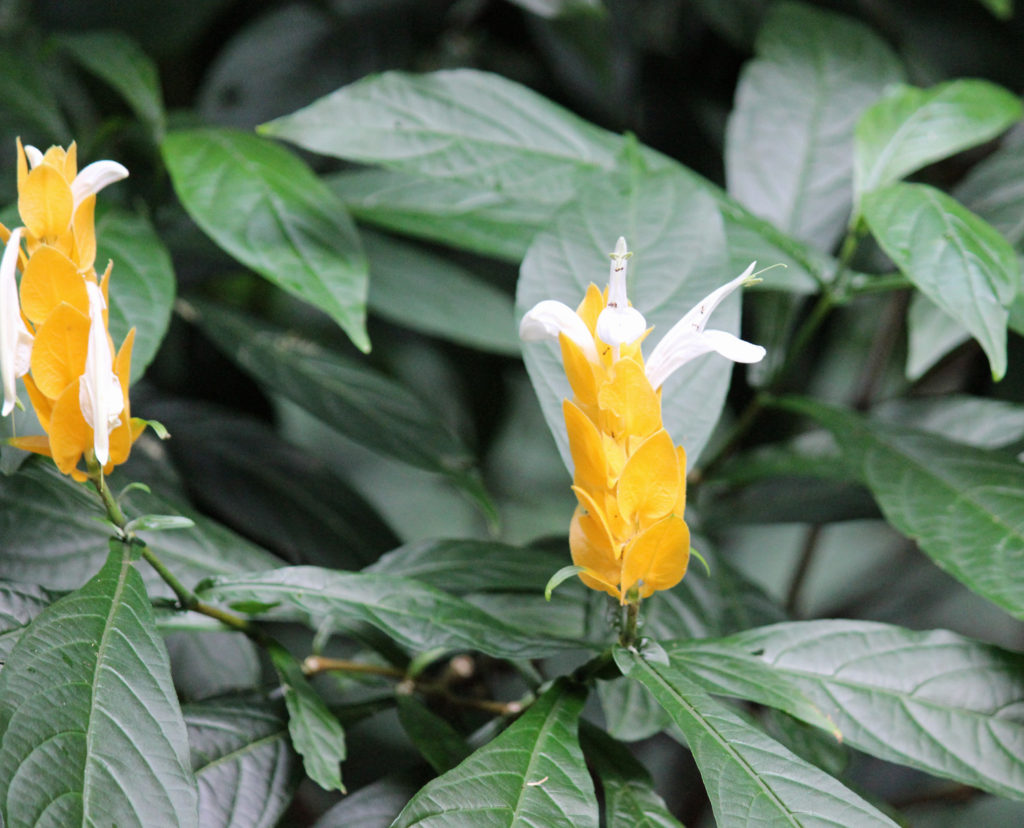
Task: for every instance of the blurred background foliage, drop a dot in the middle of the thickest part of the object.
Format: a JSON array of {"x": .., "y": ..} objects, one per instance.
[{"x": 664, "y": 70}]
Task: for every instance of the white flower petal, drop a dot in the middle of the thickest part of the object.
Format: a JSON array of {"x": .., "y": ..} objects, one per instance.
[
  {"x": 100, "y": 395},
  {"x": 620, "y": 326},
  {"x": 547, "y": 319},
  {"x": 15, "y": 339},
  {"x": 34, "y": 156},
  {"x": 94, "y": 178},
  {"x": 697, "y": 317}
]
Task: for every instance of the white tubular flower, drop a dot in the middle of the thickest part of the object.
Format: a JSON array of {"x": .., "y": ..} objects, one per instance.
[
  {"x": 547, "y": 319},
  {"x": 619, "y": 324},
  {"x": 94, "y": 178},
  {"x": 688, "y": 340},
  {"x": 34, "y": 156},
  {"x": 15, "y": 339},
  {"x": 99, "y": 390}
]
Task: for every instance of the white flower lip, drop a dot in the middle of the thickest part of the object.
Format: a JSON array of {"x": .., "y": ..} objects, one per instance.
[
  {"x": 15, "y": 339},
  {"x": 619, "y": 324},
  {"x": 99, "y": 390},
  {"x": 547, "y": 319},
  {"x": 93, "y": 178}
]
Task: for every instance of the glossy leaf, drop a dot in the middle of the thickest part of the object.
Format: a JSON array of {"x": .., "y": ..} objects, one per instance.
[
  {"x": 532, "y": 774},
  {"x": 376, "y": 805},
  {"x": 910, "y": 128},
  {"x": 91, "y": 729},
  {"x": 265, "y": 207},
  {"x": 142, "y": 283},
  {"x": 957, "y": 260},
  {"x": 750, "y": 778},
  {"x": 789, "y": 144},
  {"x": 118, "y": 60},
  {"x": 676, "y": 235},
  {"x": 931, "y": 334},
  {"x": 931, "y": 700},
  {"x": 964, "y": 506},
  {"x": 426, "y": 293},
  {"x": 436, "y": 740},
  {"x": 243, "y": 762},
  {"x": 630, "y": 800},
  {"x": 994, "y": 190},
  {"x": 462, "y": 124},
  {"x": 418, "y": 616},
  {"x": 19, "y": 605},
  {"x": 316, "y": 733},
  {"x": 361, "y": 403},
  {"x": 975, "y": 421}
]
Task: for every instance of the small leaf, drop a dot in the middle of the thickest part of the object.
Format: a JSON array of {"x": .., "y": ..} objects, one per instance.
[
  {"x": 532, "y": 774},
  {"x": 964, "y": 506},
  {"x": 90, "y": 729},
  {"x": 931, "y": 700},
  {"x": 563, "y": 574},
  {"x": 994, "y": 190},
  {"x": 750, "y": 778},
  {"x": 417, "y": 616},
  {"x": 265, "y": 207},
  {"x": 910, "y": 128},
  {"x": 957, "y": 260},
  {"x": 159, "y": 523},
  {"x": 316, "y": 734},
  {"x": 931, "y": 334},
  {"x": 436, "y": 740},
  {"x": 243, "y": 761}
]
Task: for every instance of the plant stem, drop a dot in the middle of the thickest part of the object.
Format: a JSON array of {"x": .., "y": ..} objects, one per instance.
[{"x": 628, "y": 636}]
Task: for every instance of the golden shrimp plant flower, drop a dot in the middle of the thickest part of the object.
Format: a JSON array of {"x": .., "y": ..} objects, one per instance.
[
  {"x": 54, "y": 324},
  {"x": 628, "y": 534}
]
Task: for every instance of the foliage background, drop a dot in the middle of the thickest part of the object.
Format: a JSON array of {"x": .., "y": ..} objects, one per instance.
[{"x": 278, "y": 478}]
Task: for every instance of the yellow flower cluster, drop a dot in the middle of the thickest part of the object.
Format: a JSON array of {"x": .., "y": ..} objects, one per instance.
[{"x": 53, "y": 326}]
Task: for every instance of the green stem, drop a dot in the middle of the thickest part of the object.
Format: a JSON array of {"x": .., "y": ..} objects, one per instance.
[{"x": 628, "y": 637}]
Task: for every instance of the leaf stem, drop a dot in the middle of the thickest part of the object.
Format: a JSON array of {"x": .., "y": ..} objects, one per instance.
[{"x": 629, "y": 625}]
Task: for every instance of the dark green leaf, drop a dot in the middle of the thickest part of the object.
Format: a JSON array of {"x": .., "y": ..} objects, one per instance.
[
  {"x": 436, "y": 740},
  {"x": 265, "y": 207},
  {"x": 91, "y": 729},
  {"x": 994, "y": 190},
  {"x": 1003, "y": 9},
  {"x": 532, "y": 774},
  {"x": 957, "y": 260},
  {"x": 418, "y": 616},
  {"x": 931, "y": 334},
  {"x": 19, "y": 604},
  {"x": 676, "y": 233},
  {"x": 364, "y": 405},
  {"x": 912, "y": 127},
  {"x": 426, "y": 293},
  {"x": 750, "y": 778},
  {"x": 27, "y": 99},
  {"x": 243, "y": 761},
  {"x": 964, "y": 506},
  {"x": 316, "y": 734},
  {"x": 629, "y": 797},
  {"x": 931, "y": 700},
  {"x": 141, "y": 283},
  {"x": 159, "y": 523},
  {"x": 464, "y": 124},
  {"x": 975, "y": 421},
  {"x": 193, "y": 650},
  {"x": 116, "y": 59},
  {"x": 789, "y": 144},
  {"x": 376, "y": 805}
]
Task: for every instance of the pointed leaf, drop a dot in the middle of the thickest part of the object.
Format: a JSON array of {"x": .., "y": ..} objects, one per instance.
[
  {"x": 91, "y": 729},
  {"x": 19, "y": 605},
  {"x": 789, "y": 143},
  {"x": 931, "y": 700},
  {"x": 316, "y": 733},
  {"x": 957, "y": 260},
  {"x": 994, "y": 190},
  {"x": 750, "y": 778},
  {"x": 931, "y": 334},
  {"x": 436, "y": 740},
  {"x": 417, "y": 616},
  {"x": 675, "y": 231},
  {"x": 244, "y": 764},
  {"x": 912, "y": 127},
  {"x": 376, "y": 805},
  {"x": 964, "y": 506},
  {"x": 265, "y": 207},
  {"x": 532, "y": 774}
]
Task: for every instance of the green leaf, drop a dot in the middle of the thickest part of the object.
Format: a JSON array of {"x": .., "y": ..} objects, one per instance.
[
  {"x": 142, "y": 282},
  {"x": 118, "y": 60},
  {"x": 789, "y": 142},
  {"x": 975, "y": 421},
  {"x": 455, "y": 125},
  {"x": 532, "y": 774},
  {"x": 91, "y": 729},
  {"x": 957, "y": 260},
  {"x": 19, "y": 605},
  {"x": 932, "y": 700},
  {"x": 316, "y": 733},
  {"x": 28, "y": 100},
  {"x": 750, "y": 778},
  {"x": 436, "y": 740},
  {"x": 364, "y": 405},
  {"x": 376, "y": 805},
  {"x": 449, "y": 211},
  {"x": 629, "y": 797},
  {"x": 265, "y": 207},
  {"x": 243, "y": 762},
  {"x": 994, "y": 190},
  {"x": 963, "y": 506},
  {"x": 910, "y": 128},
  {"x": 39, "y": 502},
  {"x": 426, "y": 293},
  {"x": 193, "y": 649},
  {"x": 159, "y": 523},
  {"x": 931, "y": 334},
  {"x": 563, "y": 574},
  {"x": 418, "y": 616},
  {"x": 1003, "y": 9},
  {"x": 676, "y": 233}
]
